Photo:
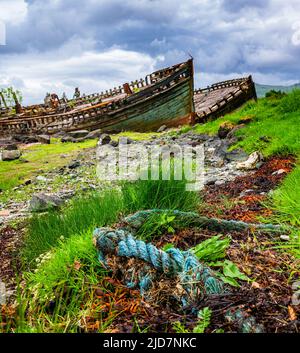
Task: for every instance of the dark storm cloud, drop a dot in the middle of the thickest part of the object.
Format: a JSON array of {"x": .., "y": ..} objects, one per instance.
[
  {"x": 226, "y": 37},
  {"x": 239, "y": 5}
]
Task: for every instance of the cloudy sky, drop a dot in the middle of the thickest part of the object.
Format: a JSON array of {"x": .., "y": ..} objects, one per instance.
[{"x": 55, "y": 45}]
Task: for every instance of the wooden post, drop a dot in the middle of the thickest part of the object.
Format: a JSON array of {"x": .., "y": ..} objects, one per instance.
[
  {"x": 3, "y": 99},
  {"x": 18, "y": 105}
]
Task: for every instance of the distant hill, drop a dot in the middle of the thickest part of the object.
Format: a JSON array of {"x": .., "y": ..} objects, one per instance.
[{"x": 261, "y": 90}]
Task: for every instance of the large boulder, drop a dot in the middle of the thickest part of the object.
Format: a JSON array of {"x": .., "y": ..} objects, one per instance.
[
  {"x": 10, "y": 155},
  {"x": 254, "y": 161},
  {"x": 78, "y": 134},
  {"x": 94, "y": 134},
  {"x": 43, "y": 202},
  {"x": 25, "y": 139},
  {"x": 90, "y": 136},
  {"x": 45, "y": 139}
]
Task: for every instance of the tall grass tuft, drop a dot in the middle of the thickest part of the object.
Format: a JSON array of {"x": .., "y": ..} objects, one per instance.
[
  {"x": 285, "y": 200},
  {"x": 163, "y": 194},
  {"x": 93, "y": 210},
  {"x": 97, "y": 210},
  {"x": 59, "y": 293}
]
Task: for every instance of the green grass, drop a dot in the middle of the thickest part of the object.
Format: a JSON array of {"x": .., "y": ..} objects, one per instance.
[
  {"x": 45, "y": 231},
  {"x": 39, "y": 158},
  {"x": 136, "y": 136},
  {"x": 276, "y": 119},
  {"x": 100, "y": 209},
  {"x": 285, "y": 200},
  {"x": 60, "y": 292},
  {"x": 163, "y": 194}
]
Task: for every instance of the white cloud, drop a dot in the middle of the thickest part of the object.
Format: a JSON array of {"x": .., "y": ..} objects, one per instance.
[
  {"x": 53, "y": 45},
  {"x": 90, "y": 70},
  {"x": 13, "y": 11}
]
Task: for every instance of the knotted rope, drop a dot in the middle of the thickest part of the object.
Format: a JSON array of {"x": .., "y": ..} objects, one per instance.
[{"x": 195, "y": 278}]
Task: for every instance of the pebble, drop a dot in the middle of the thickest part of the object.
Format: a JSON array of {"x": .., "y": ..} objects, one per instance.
[{"x": 285, "y": 237}]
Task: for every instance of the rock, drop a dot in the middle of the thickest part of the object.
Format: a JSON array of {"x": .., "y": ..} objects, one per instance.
[
  {"x": 94, "y": 134},
  {"x": 236, "y": 155},
  {"x": 252, "y": 162},
  {"x": 44, "y": 202},
  {"x": 162, "y": 128},
  {"x": 31, "y": 139},
  {"x": 114, "y": 143},
  {"x": 25, "y": 139},
  {"x": 78, "y": 134},
  {"x": 27, "y": 182},
  {"x": 41, "y": 178},
  {"x": 45, "y": 139},
  {"x": 219, "y": 182},
  {"x": 285, "y": 237},
  {"x": 60, "y": 134},
  {"x": 104, "y": 140},
  {"x": 279, "y": 172},
  {"x": 265, "y": 139},
  {"x": 246, "y": 192},
  {"x": 211, "y": 181},
  {"x": 67, "y": 138},
  {"x": 22, "y": 160},
  {"x": 224, "y": 129},
  {"x": 4, "y": 213},
  {"x": 11, "y": 155},
  {"x": 11, "y": 147},
  {"x": 74, "y": 165}
]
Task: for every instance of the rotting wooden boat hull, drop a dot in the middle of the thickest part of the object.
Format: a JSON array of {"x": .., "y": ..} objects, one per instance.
[
  {"x": 170, "y": 108},
  {"x": 223, "y": 98},
  {"x": 164, "y": 98}
]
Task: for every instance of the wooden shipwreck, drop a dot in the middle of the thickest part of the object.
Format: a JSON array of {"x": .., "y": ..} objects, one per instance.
[
  {"x": 164, "y": 97},
  {"x": 222, "y": 98}
]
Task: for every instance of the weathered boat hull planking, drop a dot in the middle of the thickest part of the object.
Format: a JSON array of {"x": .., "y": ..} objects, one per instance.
[
  {"x": 171, "y": 108},
  {"x": 223, "y": 98},
  {"x": 165, "y": 98}
]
